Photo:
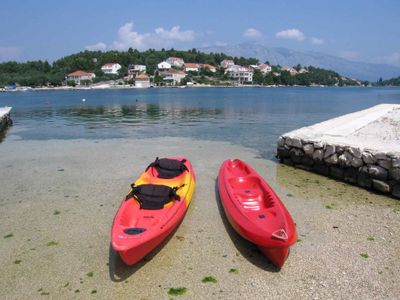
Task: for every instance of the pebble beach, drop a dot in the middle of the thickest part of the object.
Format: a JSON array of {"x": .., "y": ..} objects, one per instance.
[{"x": 58, "y": 199}]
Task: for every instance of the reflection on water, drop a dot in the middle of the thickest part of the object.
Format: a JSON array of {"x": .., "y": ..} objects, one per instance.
[{"x": 251, "y": 117}]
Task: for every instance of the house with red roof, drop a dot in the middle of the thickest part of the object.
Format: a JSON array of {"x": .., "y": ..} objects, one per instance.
[
  {"x": 142, "y": 81},
  {"x": 79, "y": 76},
  {"x": 191, "y": 67},
  {"x": 111, "y": 68}
]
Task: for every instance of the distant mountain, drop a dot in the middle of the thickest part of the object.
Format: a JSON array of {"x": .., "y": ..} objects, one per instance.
[{"x": 288, "y": 57}]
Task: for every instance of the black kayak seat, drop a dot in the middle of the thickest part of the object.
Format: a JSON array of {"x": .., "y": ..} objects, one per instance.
[
  {"x": 168, "y": 168},
  {"x": 153, "y": 196}
]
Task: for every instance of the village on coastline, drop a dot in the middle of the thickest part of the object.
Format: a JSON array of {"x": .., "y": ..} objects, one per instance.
[{"x": 174, "y": 71}]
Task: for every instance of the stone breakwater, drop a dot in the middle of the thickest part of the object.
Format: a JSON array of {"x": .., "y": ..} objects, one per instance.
[
  {"x": 5, "y": 118},
  {"x": 361, "y": 148},
  {"x": 372, "y": 170}
]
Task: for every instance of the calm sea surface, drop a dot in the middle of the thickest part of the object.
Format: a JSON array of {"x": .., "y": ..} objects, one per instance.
[{"x": 253, "y": 117}]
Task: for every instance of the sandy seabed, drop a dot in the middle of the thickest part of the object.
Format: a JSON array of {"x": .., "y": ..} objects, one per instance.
[{"x": 58, "y": 199}]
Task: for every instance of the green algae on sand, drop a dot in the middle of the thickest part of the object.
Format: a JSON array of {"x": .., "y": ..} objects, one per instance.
[{"x": 177, "y": 291}]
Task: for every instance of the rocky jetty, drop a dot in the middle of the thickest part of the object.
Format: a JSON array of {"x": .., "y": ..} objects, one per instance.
[
  {"x": 362, "y": 148},
  {"x": 5, "y": 118}
]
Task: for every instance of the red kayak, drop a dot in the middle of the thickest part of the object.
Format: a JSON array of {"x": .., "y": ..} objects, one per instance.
[
  {"x": 154, "y": 207},
  {"x": 255, "y": 211}
]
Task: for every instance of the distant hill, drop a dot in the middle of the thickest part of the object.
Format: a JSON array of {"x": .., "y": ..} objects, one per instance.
[{"x": 288, "y": 57}]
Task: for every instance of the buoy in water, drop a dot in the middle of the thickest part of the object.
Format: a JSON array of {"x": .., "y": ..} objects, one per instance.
[{"x": 83, "y": 100}]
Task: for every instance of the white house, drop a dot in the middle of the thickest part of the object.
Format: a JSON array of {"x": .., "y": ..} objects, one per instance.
[
  {"x": 139, "y": 68},
  {"x": 241, "y": 73},
  {"x": 265, "y": 69},
  {"x": 226, "y": 63},
  {"x": 111, "y": 68},
  {"x": 190, "y": 67},
  {"x": 175, "y": 61},
  {"x": 164, "y": 65},
  {"x": 303, "y": 70},
  {"x": 79, "y": 76},
  {"x": 174, "y": 75},
  {"x": 142, "y": 81}
]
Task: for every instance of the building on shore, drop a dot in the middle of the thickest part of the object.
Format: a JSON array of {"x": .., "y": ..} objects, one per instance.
[
  {"x": 226, "y": 63},
  {"x": 173, "y": 76},
  {"x": 111, "y": 68},
  {"x": 291, "y": 70},
  {"x": 175, "y": 61},
  {"x": 142, "y": 81},
  {"x": 133, "y": 70},
  {"x": 242, "y": 74},
  {"x": 79, "y": 76},
  {"x": 164, "y": 66},
  {"x": 191, "y": 67},
  {"x": 265, "y": 68},
  {"x": 211, "y": 68}
]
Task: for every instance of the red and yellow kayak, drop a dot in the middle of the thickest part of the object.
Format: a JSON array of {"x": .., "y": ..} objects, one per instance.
[
  {"x": 255, "y": 211},
  {"x": 153, "y": 209}
]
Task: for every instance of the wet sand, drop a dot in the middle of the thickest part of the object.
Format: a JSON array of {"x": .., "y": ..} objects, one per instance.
[{"x": 58, "y": 200}]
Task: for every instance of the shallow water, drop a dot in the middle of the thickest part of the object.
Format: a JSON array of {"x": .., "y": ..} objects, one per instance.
[{"x": 253, "y": 117}]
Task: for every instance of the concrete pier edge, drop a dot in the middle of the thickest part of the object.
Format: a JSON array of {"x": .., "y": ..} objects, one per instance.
[{"x": 311, "y": 149}]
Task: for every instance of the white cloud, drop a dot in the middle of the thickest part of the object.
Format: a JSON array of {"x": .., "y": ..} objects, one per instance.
[
  {"x": 317, "y": 41},
  {"x": 252, "y": 33},
  {"x": 175, "y": 34},
  {"x": 99, "y": 46},
  {"x": 9, "y": 53},
  {"x": 351, "y": 55},
  {"x": 161, "y": 37},
  {"x": 291, "y": 34}
]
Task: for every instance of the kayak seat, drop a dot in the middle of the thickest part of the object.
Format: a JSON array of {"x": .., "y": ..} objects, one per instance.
[
  {"x": 153, "y": 196},
  {"x": 168, "y": 168}
]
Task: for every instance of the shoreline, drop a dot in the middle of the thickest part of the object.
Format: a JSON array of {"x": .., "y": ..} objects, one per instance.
[{"x": 91, "y": 88}]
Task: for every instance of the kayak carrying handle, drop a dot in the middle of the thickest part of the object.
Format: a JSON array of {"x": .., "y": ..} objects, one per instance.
[{"x": 280, "y": 234}]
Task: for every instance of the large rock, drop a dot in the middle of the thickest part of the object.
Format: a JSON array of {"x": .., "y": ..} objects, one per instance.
[
  {"x": 356, "y": 152},
  {"x": 380, "y": 186},
  {"x": 333, "y": 159},
  {"x": 308, "y": 149},
  {"x": 283, "y": 153},
  {"x": 363, "y": 180},
  {"x": 396, "y": 162},
  {"x": 394, "y": 173},
  {"x": 385, "y": 163},
  {"x": 368, "y": 158},
  {"x": 281, "y": 141},
  {"x": 318, "y": 155},
  {"x": 380, "y": 155},
  {"x": 330, "y": 149},
  {"x": 357, "y": 162},
  {"x": 350, "y": 175},
  {"x": 296, "y": 155},
  {"x": 345, "y": 159},
  {"x": 294, "y": 142},
  {"x": 307, "y": 160},
  {"x": 377, "y": 172},
  {"x": 319, "y": 145}
]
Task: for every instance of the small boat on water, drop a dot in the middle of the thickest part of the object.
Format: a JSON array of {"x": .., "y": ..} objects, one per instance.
[
  {"x": 153, "y": 209},
  {"x": 255, "y": 211}
]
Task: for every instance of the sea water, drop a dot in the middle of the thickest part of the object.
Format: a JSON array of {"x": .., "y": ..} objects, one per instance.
[{"x": 252, "y": 117}]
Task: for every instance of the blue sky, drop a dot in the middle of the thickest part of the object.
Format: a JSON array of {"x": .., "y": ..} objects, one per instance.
[{"x": 357, "y": 30}]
